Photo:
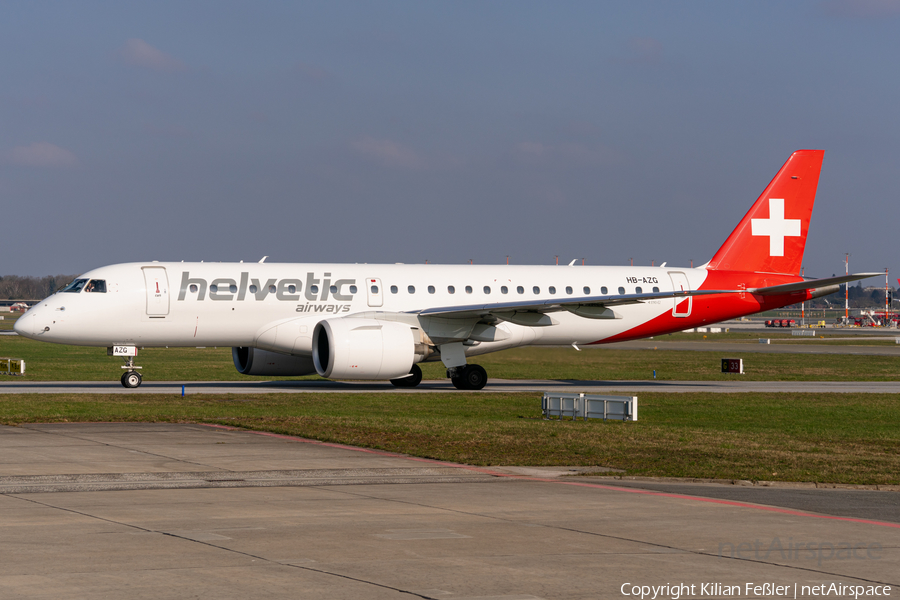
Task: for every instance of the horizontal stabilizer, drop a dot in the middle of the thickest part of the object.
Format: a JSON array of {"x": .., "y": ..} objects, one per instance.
[{"x": 810, "y": 284}]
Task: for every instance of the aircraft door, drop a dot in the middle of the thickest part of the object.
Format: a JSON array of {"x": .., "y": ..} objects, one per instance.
[
  {"x": 375, "y": 292},
  {"x": 682, "y": 306},
  {"x": 157, "y": 285}
]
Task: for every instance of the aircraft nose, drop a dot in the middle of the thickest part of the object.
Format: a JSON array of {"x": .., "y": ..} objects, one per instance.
[{"x": 24, "y": 325}]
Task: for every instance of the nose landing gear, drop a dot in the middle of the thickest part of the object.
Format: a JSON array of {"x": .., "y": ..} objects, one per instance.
[{"x": 130, "y": 378}]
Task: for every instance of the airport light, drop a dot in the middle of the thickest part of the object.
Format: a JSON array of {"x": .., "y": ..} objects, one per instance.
[
  {"x": 847, "y": 291},
  {"x": 803, "y": 304}
]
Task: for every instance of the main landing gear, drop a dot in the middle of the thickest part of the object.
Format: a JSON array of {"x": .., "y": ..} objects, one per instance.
[
  {"x": 131, "y": 378},
  {"x": 468, "y": 377},
  {"x": 412, "y": 380}
]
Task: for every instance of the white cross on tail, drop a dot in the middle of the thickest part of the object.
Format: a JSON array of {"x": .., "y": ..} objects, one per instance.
[{"x": 776, "y": 227}]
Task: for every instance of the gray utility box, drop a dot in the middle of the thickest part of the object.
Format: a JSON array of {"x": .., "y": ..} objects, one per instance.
[{"x": 589, "y": 406}]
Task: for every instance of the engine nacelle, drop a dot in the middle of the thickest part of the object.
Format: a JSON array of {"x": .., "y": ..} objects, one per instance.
[
  {"x": 253, "y": 361},
  {"x": 356, "y": 348}
]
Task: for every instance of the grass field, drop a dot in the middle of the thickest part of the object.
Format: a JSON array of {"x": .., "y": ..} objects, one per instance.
[
  {"x": 837, "y": 438},
  {"x": 53, "y": 362},
  {"x": 8, "y": 319}
]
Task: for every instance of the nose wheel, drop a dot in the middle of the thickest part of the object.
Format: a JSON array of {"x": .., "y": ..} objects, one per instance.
[{"x": 131, "y": 378}]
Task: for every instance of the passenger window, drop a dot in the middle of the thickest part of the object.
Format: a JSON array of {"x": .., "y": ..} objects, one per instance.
[
  {"x": 213, "y": 289},
  {"x": 569, "y": 289},
  {"x": 314, "y": 289},
  {"x": 352, "y": 289},
  {"x": 551, "y": 289},
  {"x": 96, "y": 285},
  {"x": 520, "y": 289},
  {"x": 468, "y": 289},
  {"x": 487, "y": 289},
  {"x": 504, "y": 290},
  {"x": 638, "y": 290},
  {"x": 253, "y": 288},
  {"x": 587, "y": 291},
  {"x": 394, "y": 289},
  {"x": 411, "y": 289},
  {"x": 451, "y": 289},
  {"x": 603, "y": 290},
  {"x": 292, "y": 289},
  {"x": 374, "y": 289},
  {"x": 536, "y": 290},
  {"x": 430, "y": 289},
  {"x": 621, "y": 290},
  {"x": 656, "y": 289},
  {"x": 272, "y": 289},
  {"x": 75, "y": 287},
  {"x": 332, "y": 289}
]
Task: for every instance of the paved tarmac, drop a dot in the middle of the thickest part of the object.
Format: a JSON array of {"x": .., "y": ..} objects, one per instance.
[
  {"x": 128, "y": 510},
  {"x": 493, "y": 386}
]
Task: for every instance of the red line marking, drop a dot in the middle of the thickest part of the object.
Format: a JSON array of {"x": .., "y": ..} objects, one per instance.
[{"x": 488, "y": 471}]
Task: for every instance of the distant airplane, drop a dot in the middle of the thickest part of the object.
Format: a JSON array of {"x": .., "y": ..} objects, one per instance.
[{"x": 358, "y": 321}]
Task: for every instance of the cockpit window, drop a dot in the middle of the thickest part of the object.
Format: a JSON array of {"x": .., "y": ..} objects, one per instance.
[
  {"x": 75, "y": 287},
  {"x": 97, "y": 285}
]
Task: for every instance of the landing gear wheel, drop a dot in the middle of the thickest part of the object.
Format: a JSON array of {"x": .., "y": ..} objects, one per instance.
[
  {"x": 131, "y": 379},
  {"x": 412, "y": 380},
  {"x": 475, "y": 376},
  {"x": 470, "y": 377}
]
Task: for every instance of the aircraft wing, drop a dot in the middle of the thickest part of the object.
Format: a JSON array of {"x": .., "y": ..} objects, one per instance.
[
  {"x": 500, "y": 309},
  {"x": 810, "y": 284},
  {"x": 577, "y": 304}
]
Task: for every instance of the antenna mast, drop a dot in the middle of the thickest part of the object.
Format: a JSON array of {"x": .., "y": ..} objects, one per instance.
[{"x": 847, "y": 290}]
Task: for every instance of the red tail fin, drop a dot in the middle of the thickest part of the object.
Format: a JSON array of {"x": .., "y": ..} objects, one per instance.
[{"x": 772, "y": 235}]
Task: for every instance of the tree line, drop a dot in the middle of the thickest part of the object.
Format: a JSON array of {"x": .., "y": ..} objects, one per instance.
[{"x": 19, "y": 287}]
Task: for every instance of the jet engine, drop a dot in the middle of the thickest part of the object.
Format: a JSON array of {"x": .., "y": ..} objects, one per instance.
[
  {"x": 358, "y": 348},
  {"x": 253, "y": 361}
]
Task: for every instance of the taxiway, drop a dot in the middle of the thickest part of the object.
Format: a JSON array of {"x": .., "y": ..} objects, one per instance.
[
  {"x": 493, "y": 386},
  {"x": 113, "y": 510}
]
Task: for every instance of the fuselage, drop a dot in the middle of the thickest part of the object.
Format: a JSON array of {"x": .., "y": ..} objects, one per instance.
[{"x": 243, "y": 304}]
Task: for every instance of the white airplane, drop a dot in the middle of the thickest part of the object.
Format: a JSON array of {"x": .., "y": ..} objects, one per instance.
[{"x": 359, "y": 321}]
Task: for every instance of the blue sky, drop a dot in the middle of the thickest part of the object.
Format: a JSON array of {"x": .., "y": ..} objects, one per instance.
[{"x": 414, "y": 131}]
